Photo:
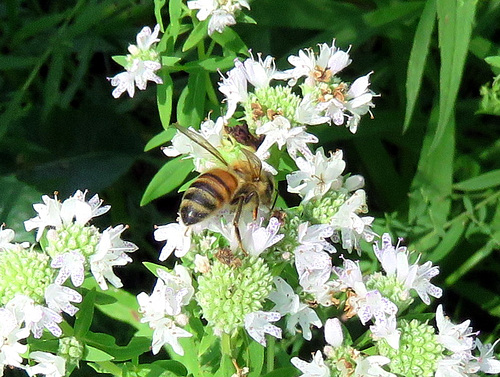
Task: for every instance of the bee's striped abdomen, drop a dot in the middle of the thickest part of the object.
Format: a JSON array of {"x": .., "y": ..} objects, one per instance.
[{"x": 206, "y": 195}]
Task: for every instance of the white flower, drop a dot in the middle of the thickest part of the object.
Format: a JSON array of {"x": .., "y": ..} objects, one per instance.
[
  {"x": 110, "y": 252},
  {"x": 371, "y": 367},
  {"x": 377, "y": 306},
  {"x": 38, "y": 317},
  {"x": 285, "y": 299},
  {"x": 48, "y": 215},
  {"x": 317, "y": 175},
  {"x": 385, "y": 328},
  {"x": 178, "y": 237},
  {"x": 142, "y": 63},
  {"x": 201, "y": 264},
  {"x": 279, "y": 131},
  {"x": 58, "y": 298},
  {"x": 317, "y": 68},
  {"x": 308, "y": 112},
  {"x": 333, "y": 332},
  {"x": 258, "y": 73},
  {"x": 234, "y": 87},
  {"x": 71, "y": 265},
  {"x": 422, "y": 282},
  {"x": 456, "y": 338},
  {"x": 351, "y": 226},
  {"x": 313, "y": 267},
  {"x": 221, "y": 12},
  {"x": 258, "y": 324},
  {"x": 6, "y": 236},
  {"x": 305, "y": 317},
  {"x": 359, "y": 101},
  {"x": 166, "y": 332},
  {"x": 316, "y": 368},
  {"x": 486, "y": 361},
  {"x": 48, "y": 364},
  {"x": 256, "y": 238},
  {"x": 315, "y": 236},
  {"x": 203, "y": 160},
  {"x": 450, "y": 367},
  {"x": 10, "y": 335},
  {"x": 352, "y": 277}
]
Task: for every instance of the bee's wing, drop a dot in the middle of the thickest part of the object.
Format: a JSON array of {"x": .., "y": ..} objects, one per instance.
[
  {"x": 254, "y": 161},
  {"x": 201, "y": 141}
]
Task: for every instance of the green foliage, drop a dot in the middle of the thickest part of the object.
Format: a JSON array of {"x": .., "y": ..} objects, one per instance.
[{"x": 430, "y": 156}]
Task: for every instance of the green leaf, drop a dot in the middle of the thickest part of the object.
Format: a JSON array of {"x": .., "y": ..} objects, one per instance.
[
  {"x": 481, "y": 182},
  {"x": 120, "y": 59},
  {"x": 471, "y": 262},
  {"x": 191, "y": 105},
  {"x": 286, "y": 371},
  {"x": 173, "y": 366},
  {"x": 199, "y": 32},
  {"x": 212, "y": 64},
  {"x": 162, "y": 138},
  {"x": 486, "y": 299},
  {"x": 8, "y": 62},
  {"x": 231, "y": 41},
  {"x": 418, "y": 56},
  {"x": 448, "y": 242},
  {"x": 493, "y": 60},
  {"x": 256, "y": 358},
  {"x": 164, "y": 101},
  {"x": 170, "y": 176},
  {"x": 84, "y": 315},
  {"x": 159, "y": 4},
  {"x": 107, "y": 343},
  {"x": 95, "y": 355},
  {"x": 455, "y": 21}
]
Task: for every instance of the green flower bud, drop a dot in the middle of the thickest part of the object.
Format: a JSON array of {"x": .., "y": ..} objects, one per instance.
[
  {"x": 265, "y": 103},
  {"x": 26, "y": 272},
  {"x": 71, "y": 349},
  {"x": 227, "y": 293},
  {"x": 390, "y": 287},
  {"x": 418, "y": 353},
  {"x": 321, "y": 210},
  {"x": 83, "y": 239}
]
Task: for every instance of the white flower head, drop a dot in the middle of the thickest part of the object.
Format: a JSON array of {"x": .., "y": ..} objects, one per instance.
[
  {"x": 305, "y": 317},
  {"x": 142, "y": 64},
  {"x": 317, "y": 175},
  {"x": 313, "y": 267},
  {"x": 456, "y": 338},
  {"x": 258, "y": 72},
  {"x": 166, "y": 332},
  {"x": 316, "y": 368},
  {"x": 222, "y": 13},
  {"x": 234, "y": 87},
  {"x": 59, "y": 298},
  {"x": 385, "y": 328},
  {"x": 376, "y": 306},
  {"x": 111, "y": 251},
  {"x": 48, "y": 364},
  {"x": 256, "y": 238},
  {"x": 71, "y": 264},
  {"x": 10, "y": 335},
  {"x": 48, "y": 215},
  {"x": 258, "y": 324},
  {"x": 179, "y": 289},
  {"x": 286, "y": 301},
  {"x": 486, "y": 361},
  {"x": 178, "y": 237},
  {"x": 315, "y": 236}
]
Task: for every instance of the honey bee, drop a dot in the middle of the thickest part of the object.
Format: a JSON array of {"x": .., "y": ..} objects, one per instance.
[{"x": 240, "y": 184}]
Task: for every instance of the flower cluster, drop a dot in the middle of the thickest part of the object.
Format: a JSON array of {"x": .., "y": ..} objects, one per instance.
[
  {"x": 33, "y": 294},
  {"x": 140, "y": 65},
  {"x": 221, "y": 12}
]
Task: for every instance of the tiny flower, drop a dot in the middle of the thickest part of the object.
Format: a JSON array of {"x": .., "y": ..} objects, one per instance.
[
  {"x": 256, "y": 239},
  {"x": 201, "y": 264},
  {"x": 317, "y": 175},
  {"x": 305, "y": 317},
  {"x": 371, "y": 366},
  {"x": 71, "y": 264},
  {"x": 58, "y": 298},
  {"x": 285, "y": 299},
  {"x": 422, "y": 282},
  {"x": 385, "y": 328},
  {"x": 234, "y": 87},
  {"x": 456, "y": 338},
  {"x": 333, "y": 332},
  {"x": 374, "y": 305},
  {"x": 178, "y": 237},
  {"x": 315, "y": 236},
  {"x": 313, "y": 267},
  {"x": 316, "y": 368},
  {"x": 351, "y": 276},
  {"x": 48, "y": 215},
  {"x": 258, "y": 73},
  {"x": 258, "y": 324},
  {"x": 6, "y": 238},
  {"x": 110, "y": 252},
  {"x": 48, "y": 364},
  {"x": 10, "y": 335},
  {"x": 166, "y": 332},
  {"x": 486, "y": 361}
]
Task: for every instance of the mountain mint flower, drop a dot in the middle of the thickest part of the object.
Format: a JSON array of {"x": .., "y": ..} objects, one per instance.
[
  {"x": 71, "y": 265},
  {"x": 141, "y": 64},
  {"x": 227, "y": 294},
  {"x": 371, "y": 366},
  {"x": 222, "y": 13},
  {"x": 455, "y": 338},
  {"x": 333, "y": 332},
  {"x": 111, "y": 251},
  {"x": 486, "y": 361},
  {"x": 48, "y": 364},
  {"x": 305, "y": 317},
  {"x": 59, "y": 298},
  {"x": 10, "y": 335},
  {"x": 166, "y": 332},
  {"x": 178, "y": 237},
  {"x": 258, "y": 324},
  {"x": 316, "y": 368},
  {"x": 256, "y": 238},
  {"x": 375, "y": 306}
]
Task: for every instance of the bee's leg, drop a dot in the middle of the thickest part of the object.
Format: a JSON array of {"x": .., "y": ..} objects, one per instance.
[
  {"x": 236, "y": 221},
  {"x": 256, "y": 208}
]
